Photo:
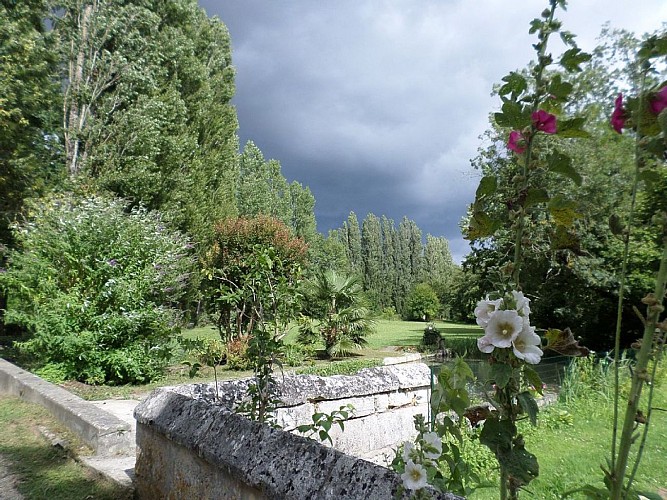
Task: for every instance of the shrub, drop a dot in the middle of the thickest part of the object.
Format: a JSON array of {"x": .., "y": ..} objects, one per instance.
[
  {"x": 431, "y": 338},
  {"x": 97, "y": 288},
  {"x": 422, "y": 303}
]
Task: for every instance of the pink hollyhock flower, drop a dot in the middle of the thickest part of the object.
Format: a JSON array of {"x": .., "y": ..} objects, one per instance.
[
  {"x": 516, "y": 142},
  {"x": 659, "y": 101},
  {"x": 544, "y": 122},
  {"x": 619, "y": 115}
]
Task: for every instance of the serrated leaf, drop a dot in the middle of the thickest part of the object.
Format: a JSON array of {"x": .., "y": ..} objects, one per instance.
[
  {"x": 649, "y": 176},
  {"x": 572, "y": 59},
  {"x": 481, "y": 226},
  {"x": 571, "y": 128},
  {"x": 563, "y": 211},
  {"x": 559, "y": 163},
  {"x": 497, "y": 434},
  {"x": 487, "y": 185},
  {"x": 559, "y": 89},
  {"x": 501, "y": 374},
  {"x": 515, "y": 84},
  {"x": 535, "y": 196},
  {"x": 563, "y": 239},
  {"x": 513, "y": 115},
  {"x": 528, "y": 405}
]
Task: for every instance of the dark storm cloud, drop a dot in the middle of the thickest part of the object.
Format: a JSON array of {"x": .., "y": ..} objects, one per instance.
[{"x": 377, "y": 106}]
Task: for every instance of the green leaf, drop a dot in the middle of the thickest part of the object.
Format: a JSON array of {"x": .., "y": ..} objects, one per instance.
[
  {"x": 563, "y": 210},
  {"x": 304, "y": 428},
  {"x": 649, "y": 176},
  {"x": 501, "y": 374},
  {"x": 533, "y": 378},
  {"x": 515, "y": 84},
  {"x": 513, "y": 115},
  {"x": 559, "y": 89},
  {"x": 572, "y": 128},
  {"x": 535, "y": 196},
  {"x": 572, "y": 59},
  {"x": 497, "y": 434},
  {"x": 589, "y": 491},
  {"x": 562, "y": 164},
  {"x": 487, "y": 186},
  {"x": 481, "y": 226},
  {"x": 528, "y": 405}
]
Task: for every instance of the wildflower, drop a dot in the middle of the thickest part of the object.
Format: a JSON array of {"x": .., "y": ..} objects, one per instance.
[
  {"x": 659, "y": 101},
  {"x": 619, "y": 115},
  {"x": 485, "y": 308},
  {"x": 503, "y": 327},
  {"x": 432, "y": 442},
  {"x": 414, "y": 477},
  {"x": 516, "y": 142},
  {"x": 544, "y": 122},
  {"x": 525, "y": 345}
]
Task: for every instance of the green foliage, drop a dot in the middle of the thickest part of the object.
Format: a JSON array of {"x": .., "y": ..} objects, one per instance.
[
  {"x": 323, "y": 422},
  {"x": 336, "y": 311},
  {"x": 98, "y": 289},
  {"x": 431, "y": 338},
  {"x": 147, "y": 112},
  {"x": 422, "y": 303}
]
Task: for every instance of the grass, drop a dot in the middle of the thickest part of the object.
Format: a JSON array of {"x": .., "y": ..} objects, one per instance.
[
  {"x": 572, "y": 441},
  {"x": 42, "y": 470}
]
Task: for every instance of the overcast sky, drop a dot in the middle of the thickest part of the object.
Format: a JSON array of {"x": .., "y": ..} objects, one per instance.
[{"x": 377, "y": 105}]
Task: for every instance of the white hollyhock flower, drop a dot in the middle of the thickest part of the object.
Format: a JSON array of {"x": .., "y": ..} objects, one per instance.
[
  {"x": 433, "y": 442},
  {"x": 414, "y": 477},
  {"x": 522, "y": 303},
  {"x": 525, "y": 345},
  {"x": 503, "y": 327},
  {"x": 485, "y": 309},
  {"x": 484, "y": 344}
]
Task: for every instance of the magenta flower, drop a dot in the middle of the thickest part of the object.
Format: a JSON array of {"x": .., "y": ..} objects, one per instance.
[
  {"x": 619, "y": 115},
  {"x": 544, "y": 122},
  {"x": 516, "y": 142},
  {"x": 659, "y": 101}
]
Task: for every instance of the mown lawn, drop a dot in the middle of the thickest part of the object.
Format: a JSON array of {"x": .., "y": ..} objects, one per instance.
[{"x": 571, "y": 447}]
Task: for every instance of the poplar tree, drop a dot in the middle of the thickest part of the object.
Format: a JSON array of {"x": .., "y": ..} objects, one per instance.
[
  {"x": 372, "y": 257},
  {"x": 352, "y": 237}
]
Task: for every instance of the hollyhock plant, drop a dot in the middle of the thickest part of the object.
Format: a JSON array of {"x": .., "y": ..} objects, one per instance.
[
  {"x": 544, "y": 122},
  {"x": 522, "y": 303},
  {"x": 619, "y": 115},
  {"x": 659, "y": 101},
  {"x": 516, "y": 142}
]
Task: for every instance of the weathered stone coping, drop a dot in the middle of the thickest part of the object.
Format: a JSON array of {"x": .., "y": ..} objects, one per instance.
[
  {"x": 106, "y": 434},
  {"x": 190, "y": 448},
  {"x": 295, "y": 390}
]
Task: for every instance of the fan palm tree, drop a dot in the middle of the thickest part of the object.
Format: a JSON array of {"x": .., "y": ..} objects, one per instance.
[{"x": 337, "y": 312}]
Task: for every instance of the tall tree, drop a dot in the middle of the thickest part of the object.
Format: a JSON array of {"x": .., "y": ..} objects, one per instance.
[
  {"x": 147, "y": 111},
  {"x": 409, "y": 261},
  {"x": 372, "y": 257},
  {"x": 28, "y": 110},
  {"x": 389, "y": 265},
  {"x": 352, "y": 236}
]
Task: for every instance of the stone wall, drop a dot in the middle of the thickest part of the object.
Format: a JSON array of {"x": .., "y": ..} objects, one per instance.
[{"x": 191, "y": 445}]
